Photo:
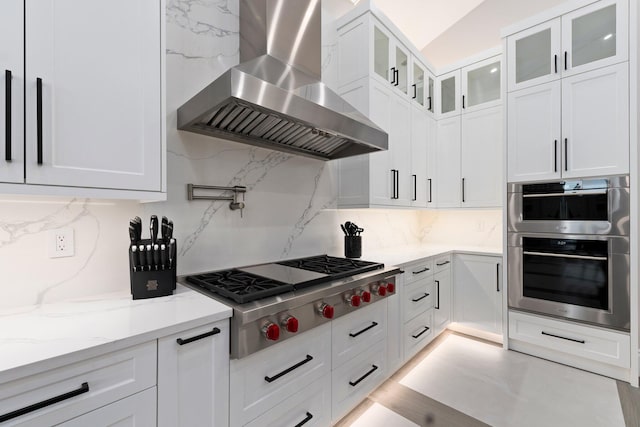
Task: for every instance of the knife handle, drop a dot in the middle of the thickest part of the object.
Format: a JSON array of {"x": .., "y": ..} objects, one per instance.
[
  {"x": 142, "y": 256},
  {"x": 133, "y": 256},
  {"x": 156, "y": 256},
  {"x": 153, "y": 229},
  {"x": 149, "y": 250},
  {"x": 170, "y": 230},
  {"x": 133, "y": 234},
  {"x": 163, "y": 256},
  {"x": 172, "y": 251}
]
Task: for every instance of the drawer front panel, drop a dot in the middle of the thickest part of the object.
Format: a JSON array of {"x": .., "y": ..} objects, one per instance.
[
  {"x": 591, "y": 343},
  {"x": 358, "y": 330},
  {"x": 264, "y": 379},
  {"x": 442, "y": 263},
  {"x": 418, "y": 333},
  {"x": 418, "y": 297},
  {"x": 418, "y": 271},
  {"x": 108, "y": 378},
  {"x": 312, "y": 404},
  {"x": 353, "y": 381}
]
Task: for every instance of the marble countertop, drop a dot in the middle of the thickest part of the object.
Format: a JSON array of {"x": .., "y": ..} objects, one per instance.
[
  {"x": 406, "y": 254},
  {"x": 34, "y": 339}
]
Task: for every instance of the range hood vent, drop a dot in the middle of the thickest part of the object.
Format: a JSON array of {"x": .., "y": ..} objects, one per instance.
[{"x": 274, "y": 99}]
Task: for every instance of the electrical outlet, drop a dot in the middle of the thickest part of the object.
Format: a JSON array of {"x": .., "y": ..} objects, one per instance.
[{"x": 61, "y": 243}]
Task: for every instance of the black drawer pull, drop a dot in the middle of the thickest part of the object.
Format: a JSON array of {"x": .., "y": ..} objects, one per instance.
[
  {"x": 7, "y": 115},
  {"x": 437, "y": 307},
  {"x": 306, "y": 420},
  {"x": 563, "y": 338},
  {"x": 372, "y": 325},
  {"x": 83, "y": 389},
  {"x": 214, "y": 331},
  {"x": 440, "y": 264},
  {"x": 286, "y": 371},
  {"x": 355, "y": 383},
  {"x": 421, "y": 271},
  {"x": 39, "y": 118},
  {"x": 426, "y": 328},
  {"x": 421, "y": 298}
]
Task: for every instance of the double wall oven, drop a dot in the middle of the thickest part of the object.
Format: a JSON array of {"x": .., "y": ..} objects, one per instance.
[{"x": 568, "y": 250}]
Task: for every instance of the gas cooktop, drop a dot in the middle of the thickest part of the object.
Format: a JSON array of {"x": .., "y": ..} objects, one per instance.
[{"x": 252, "y": 283}]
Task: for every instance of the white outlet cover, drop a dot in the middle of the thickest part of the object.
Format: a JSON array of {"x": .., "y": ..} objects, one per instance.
[{"x": 61, "y": 243}]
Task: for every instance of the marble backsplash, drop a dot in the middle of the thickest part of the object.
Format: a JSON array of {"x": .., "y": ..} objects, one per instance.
[{"x": 290, "y": 201}]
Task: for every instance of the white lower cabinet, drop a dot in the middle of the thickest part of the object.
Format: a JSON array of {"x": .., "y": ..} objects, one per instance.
[
  {"x": 138, "y": 410},
  {"x": 80, "y": 387},
  {"x": 353, "y": 381},
  {"x": 359, "y": 330},
  {"x": 417, "y": 333},
  {"x": 193, "y": 377},
  {"x": 264, "y": 379},
  {"x": 477, "y": 293},
  {"x": 442, "y": 307}
]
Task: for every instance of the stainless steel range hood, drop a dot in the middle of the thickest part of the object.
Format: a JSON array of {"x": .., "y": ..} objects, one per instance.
[{"x": 274, "y": 98}]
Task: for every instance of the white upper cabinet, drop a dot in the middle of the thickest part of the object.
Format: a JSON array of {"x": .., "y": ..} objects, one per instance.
[
  {"x": 448, "y": 95},
  {"x": 419, "y": 140},
  {"x": 94, "y": 93},
  {"x": 481, "y": 86},
  {"x": 591, "y": 37},
  {"x": 418, "y": 87},
  {"x": 447, "y": 184},
  {"x": 11, "y": 97}
]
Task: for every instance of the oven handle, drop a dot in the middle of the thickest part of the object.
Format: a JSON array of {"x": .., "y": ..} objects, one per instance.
[
  {"x": 595, "y": 258},
  {"x": 569, "y": 193}
]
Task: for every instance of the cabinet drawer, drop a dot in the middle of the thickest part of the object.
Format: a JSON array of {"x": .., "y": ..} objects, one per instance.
[
  {"x": 138, "y": 410},
  {"x": 442, "y": 263},
  {"x": 417, "y": 333},
  {"x": 353, "y": 381},
  {"x": 418, "y": 297},
  {"x": 418, "y": 270},
  {"x": 262, "y": 380},
  {"x": 312, "y": 404},
  {"x": 608, "y": 347},
  {"x": 87, "y": 385},
  {"x": 358, "y": 330}
]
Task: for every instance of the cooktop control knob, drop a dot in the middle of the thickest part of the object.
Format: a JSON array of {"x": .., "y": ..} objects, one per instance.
[
  {"x": 326, "y": 311},
  {"x": 366, "y": 296},
  {"x": 381, "y": 290},
  {"x": 271, "y": 331},
  {"x": 353, "y": 300},
  {"x": 391, "y": 287},
  {"x": 290, "y": 323}
]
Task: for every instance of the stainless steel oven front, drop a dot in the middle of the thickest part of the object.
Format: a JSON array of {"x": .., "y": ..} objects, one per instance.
[{"x": 572, "y": 276}]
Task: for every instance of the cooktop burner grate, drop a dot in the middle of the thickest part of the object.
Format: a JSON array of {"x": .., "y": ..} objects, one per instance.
[
  {"x": 335, "y": 267},
  {"x": 238, "y": 285}
]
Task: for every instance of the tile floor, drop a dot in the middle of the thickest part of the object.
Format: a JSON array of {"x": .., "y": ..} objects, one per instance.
[{"x": 460, "y": 381}]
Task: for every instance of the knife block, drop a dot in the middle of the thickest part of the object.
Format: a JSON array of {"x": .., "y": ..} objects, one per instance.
[{"x": 152, "y": 283}]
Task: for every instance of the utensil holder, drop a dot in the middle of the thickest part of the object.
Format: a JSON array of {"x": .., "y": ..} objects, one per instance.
[
  {"x": 353, "y": 246},
  {"x": 149, "y": 282}
]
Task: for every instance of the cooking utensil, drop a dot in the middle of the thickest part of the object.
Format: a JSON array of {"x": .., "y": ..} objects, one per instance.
[
  {"x": 344, "y": 230},
  {"x": 164, "y": 228}
]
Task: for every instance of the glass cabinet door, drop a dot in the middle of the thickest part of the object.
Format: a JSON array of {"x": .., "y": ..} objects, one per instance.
[
  {"x": 533, "y": 55},
  {"x": 381, "y": 60},
  {"x": 595, "y": 36},
  {"x": 402, "y": 67},
  {"x": 448, "y": 95},
  {"x": 481, "y": 84},
  {"x": 418, "y": 84},
  {"x": 430, "y": 95}
]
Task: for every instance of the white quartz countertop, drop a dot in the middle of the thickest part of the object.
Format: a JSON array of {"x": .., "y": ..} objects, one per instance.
[
  {"x": 34, "y": 339},
  {"x": 406, "y": 254}
]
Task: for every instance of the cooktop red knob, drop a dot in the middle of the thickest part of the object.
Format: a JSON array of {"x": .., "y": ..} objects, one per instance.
[
  {"x": 354, "y": 300},
  {"x": 326, "y": 311},
  {"x": 382, "y": 290},
  {"x": 271, "y": 331},
  {"x": 391, "y": 287},
  {"x": 291, "y": 324},
  {"x": 366, "y": 296}
]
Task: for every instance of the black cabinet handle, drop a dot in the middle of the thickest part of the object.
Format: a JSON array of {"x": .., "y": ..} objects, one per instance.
[
  {"x": 372, "y": 325},
  {"x": 306, "y": 420},
  {"x": 39, "y": 117},
  {"x": 214, "y": 331},
  {"x": 426, "y": 328},
  {"x": 393, "y": 75},
  {"x": 555, "y": 64},
  {"x": 421, "y": 298},
  {"x": 397, "y": 78},
  {"x": 563, "y": 338},
  {"x": 415, "y": 91},
  {"x": 355, "y": 383},
  {"x": 440, "y": 264},
  {"x": 462, "y": 101},
  {"x": 566, "y": 159},
  {"x": 415, "y": 187},
  {"x": 430, "y": 190},
  {"x": 462, "y": 190},
  {"x": 14, "y": 414},
  {"x": 565, "y": 60},
  {"x": 397, "y": 184},
  {"x": 286, "y": 371},
  {"x": 430, "y": 108},
  {"x": 393, "y": 183},
  {"x": 421, "y": 271},
  {"x": 7, "y": 115},
  {"x": 555, "y": 155},
  {"x": 498, "y": 277},
  {"x": 437, "y": 307}
]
